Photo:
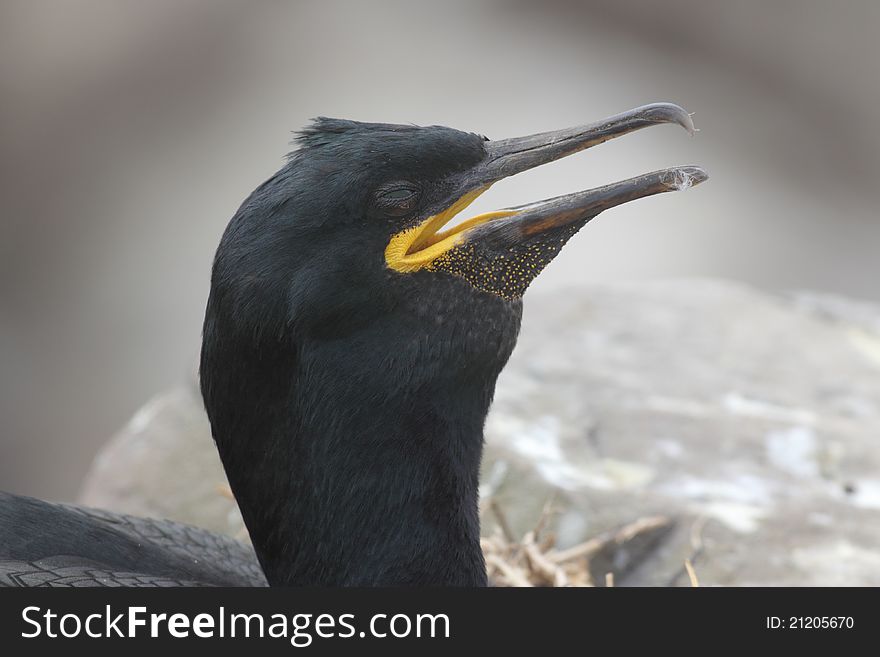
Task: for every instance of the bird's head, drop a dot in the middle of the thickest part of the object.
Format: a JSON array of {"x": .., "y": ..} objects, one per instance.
[{"x": 355, "y": 229}]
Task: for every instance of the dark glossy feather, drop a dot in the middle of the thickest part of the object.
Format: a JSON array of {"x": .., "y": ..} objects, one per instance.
[{"x": 45, "y": 544}]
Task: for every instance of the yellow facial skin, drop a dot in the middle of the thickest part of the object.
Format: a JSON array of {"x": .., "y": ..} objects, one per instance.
[{"x": 420, "y": 246}]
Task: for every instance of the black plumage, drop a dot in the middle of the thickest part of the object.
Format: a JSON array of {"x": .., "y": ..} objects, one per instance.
[{"x": 350, "y": 354}]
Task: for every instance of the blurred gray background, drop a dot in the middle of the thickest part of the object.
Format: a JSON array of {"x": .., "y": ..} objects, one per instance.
[{"x": 130, "y": 132}]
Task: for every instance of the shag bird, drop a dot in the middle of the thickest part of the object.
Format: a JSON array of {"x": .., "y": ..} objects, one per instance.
[{"x": 351, "y": 345}]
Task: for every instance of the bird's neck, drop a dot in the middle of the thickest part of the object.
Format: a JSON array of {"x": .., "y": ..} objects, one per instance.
[{"x": 359, "y": 479}]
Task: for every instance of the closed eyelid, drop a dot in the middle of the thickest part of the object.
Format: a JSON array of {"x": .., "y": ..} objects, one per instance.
[{"x": 398, "y": 194}]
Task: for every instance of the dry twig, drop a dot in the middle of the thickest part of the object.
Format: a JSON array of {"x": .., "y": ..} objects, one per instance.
[{"x": 534, "y": 560}]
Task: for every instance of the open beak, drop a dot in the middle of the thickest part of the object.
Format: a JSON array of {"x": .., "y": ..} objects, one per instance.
[
  {"x": 560, "y": 211},
  {"x": 514, "y": 244},
  {"x": 507, "y": 157}
]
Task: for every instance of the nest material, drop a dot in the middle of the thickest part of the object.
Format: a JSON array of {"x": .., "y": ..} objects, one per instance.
[{"x": 534, "y": 560}]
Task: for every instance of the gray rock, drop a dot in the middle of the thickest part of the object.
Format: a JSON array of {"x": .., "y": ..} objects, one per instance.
[
  {"x": 163, "y": 464},
  {"x": 751, "y": 418}
]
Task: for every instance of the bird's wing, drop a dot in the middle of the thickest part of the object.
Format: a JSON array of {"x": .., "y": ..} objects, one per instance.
[
  {"x": 60, "y": 543},
  {"x": 231, "y": 558},
  {"x": 74, "y": 571}
]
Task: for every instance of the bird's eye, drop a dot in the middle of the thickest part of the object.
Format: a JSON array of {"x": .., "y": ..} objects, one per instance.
[
  {"x": 397, "y": 195},
  {"x": 397, "y": 200}
]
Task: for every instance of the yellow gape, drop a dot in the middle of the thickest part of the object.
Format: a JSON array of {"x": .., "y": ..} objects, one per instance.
[{"x": 418, "y": 247}]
